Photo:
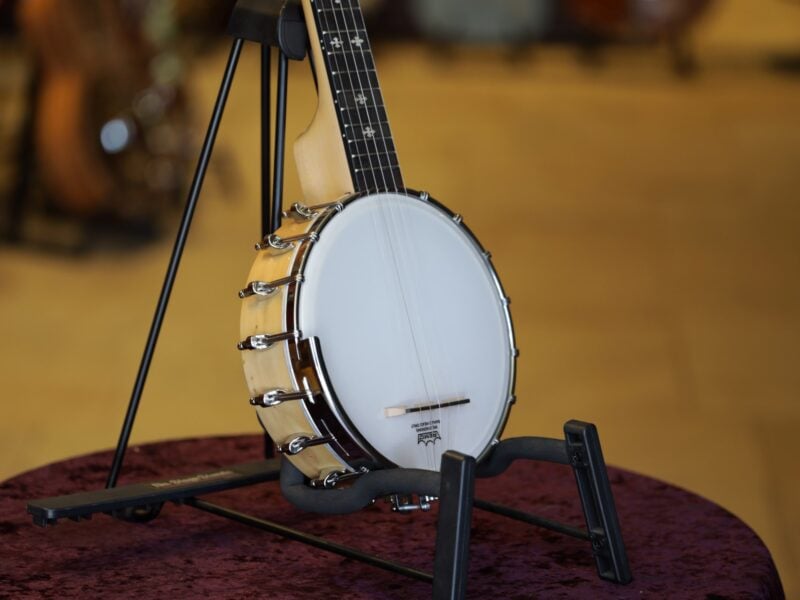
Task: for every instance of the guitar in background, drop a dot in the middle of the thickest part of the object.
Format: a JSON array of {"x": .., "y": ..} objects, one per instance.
[{"x": 108, "y": 123}]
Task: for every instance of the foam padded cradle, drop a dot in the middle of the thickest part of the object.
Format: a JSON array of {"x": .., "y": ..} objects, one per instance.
[{"x": 270, "y": 23}]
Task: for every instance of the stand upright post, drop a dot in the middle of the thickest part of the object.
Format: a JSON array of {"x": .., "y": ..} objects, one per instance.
[
  {"x": 272, "y": 191},
  {"x": 267, "y": 224},
  {"x": 277, "y": 23},
  {"x": 267, "y": 219},
  {"x": 280, "y": 138},
  {"x": 174, "y": 262}
]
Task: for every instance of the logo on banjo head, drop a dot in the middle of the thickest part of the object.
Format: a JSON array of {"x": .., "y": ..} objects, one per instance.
[
  {"x": 427, "y": 432},
  {"x": 428, "y": 437}
]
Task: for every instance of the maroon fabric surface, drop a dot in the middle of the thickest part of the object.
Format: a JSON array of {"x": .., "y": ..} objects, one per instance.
[{"x": 679, "y": 545}]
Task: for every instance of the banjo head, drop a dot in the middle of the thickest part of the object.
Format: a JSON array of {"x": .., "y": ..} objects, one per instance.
[{"x": 410, "y": 320}]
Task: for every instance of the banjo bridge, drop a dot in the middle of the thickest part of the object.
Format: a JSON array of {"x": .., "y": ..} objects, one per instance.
[{"x": 399, "y": 411}]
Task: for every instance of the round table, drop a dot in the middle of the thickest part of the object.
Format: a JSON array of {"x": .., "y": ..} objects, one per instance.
[{"x": 679, "y": 545}]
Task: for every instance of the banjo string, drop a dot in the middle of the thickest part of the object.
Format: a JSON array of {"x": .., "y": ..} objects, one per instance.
[
  {"x": 396, "y": 224},
  {"x": 341, "y": 102},
  {"x": 431, "y": 348},
  {"x": 406, "y": 239},
  {"x": 396, "y": 258},
  {"x": 355, "y": 12}
]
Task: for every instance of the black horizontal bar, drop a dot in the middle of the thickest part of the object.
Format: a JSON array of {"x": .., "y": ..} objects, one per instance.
[
  {"x": 532, "y": 519},
  {"x": 311, "y": 540},
  {"x": 48, "y": 511}
]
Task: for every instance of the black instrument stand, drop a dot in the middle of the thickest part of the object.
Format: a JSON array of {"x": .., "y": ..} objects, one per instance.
[{"x": 280, "y": 24}]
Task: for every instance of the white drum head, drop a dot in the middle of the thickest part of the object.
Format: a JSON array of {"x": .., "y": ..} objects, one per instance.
[{"x": 409, "y": 316}]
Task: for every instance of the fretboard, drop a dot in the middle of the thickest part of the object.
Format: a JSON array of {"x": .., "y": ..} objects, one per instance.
[{"x": 363, "y": 122}]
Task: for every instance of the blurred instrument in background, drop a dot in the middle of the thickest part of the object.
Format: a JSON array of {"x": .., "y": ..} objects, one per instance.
[
  {"x": 109, "y": 123},
  {"x": 478, "y": 21},
  {"x": 588, "y": 24},
  {"x": 636, "y": 19},
  {"x": 204, "y": 20},
  {"x": 640, "y": 21}
]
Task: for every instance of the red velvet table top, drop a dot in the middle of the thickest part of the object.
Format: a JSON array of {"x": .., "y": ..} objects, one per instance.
[{"x": 679, "y": 545}]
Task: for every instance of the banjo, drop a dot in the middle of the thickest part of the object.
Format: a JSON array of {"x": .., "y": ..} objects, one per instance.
[{"x": 374, "y": 329}]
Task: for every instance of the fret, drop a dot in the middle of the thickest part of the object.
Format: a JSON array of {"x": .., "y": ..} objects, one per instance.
[
  {"x": 337, "y": 4},
  {"x": 355, "y": 80},
  {"x": 373, "y": 169},
  {"x": 367, "y": 154},
  {"x": 379, "y": 180},
  {"x": 332, "y": 29},
  {"x": 381, "y": 175},
  {"x": 364, "y": 147},
  {"x": 363, "y": 115},
  {"x": 344, "y": 60},
  {"x": 374, "y": 160},
  {"x": 336, "y": 19},
  {"x": 349, "y": 62}
]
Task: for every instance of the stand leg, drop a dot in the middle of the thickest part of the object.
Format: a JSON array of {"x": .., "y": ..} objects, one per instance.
[
  {"x": 586, "y": 455},
  {"x": 172, "y": 270},
  {"x": 280, "y": 138},
  {"x": 267, "y": 225},
  {"x": 452, "y": 533}
]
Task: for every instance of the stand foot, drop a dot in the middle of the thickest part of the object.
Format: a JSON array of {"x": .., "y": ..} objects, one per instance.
[
  {"x": 453, "y": 531},
  {"x": 586, "y": 457}
]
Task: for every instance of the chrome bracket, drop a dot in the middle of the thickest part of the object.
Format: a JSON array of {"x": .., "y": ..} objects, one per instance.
[
  {"x": 299, "y": 443},
  {"x": 275, "y": 242},
  {"x": 268, "y": 288},
  {"x": 406, "y": 504},
  {"x": 334, "y": 478},
  {"x": 266, "y": 341},
  {"x": 303, "y": 212},
  {"x": 277, "y": 397}
]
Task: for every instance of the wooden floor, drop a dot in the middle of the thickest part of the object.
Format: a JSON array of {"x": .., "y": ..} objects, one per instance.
[{"x": 646, "y": 228}]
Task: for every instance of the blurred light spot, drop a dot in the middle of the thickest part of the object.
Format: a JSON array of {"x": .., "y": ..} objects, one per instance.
[{"x": 116, "y": 135}]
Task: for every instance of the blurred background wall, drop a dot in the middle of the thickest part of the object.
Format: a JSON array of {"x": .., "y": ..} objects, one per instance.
[{"x": 632, "y": 166}]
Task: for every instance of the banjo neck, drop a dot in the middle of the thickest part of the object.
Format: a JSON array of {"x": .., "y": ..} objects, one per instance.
[{"x": 351, "y": 129}]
